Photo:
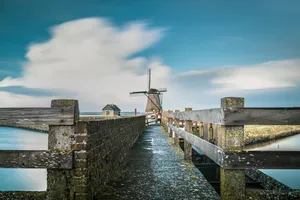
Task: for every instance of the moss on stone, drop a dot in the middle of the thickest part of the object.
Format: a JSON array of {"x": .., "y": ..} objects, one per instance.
[
  {"x": 232, "y": 184},
  {"x": 65, "y": 134}
]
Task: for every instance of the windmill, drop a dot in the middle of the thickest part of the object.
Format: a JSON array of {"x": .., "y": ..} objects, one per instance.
[{"x": 154, "y": 96}]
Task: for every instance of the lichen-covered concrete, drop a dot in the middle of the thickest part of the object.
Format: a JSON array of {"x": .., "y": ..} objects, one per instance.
[{"x": 156, "y": 170}]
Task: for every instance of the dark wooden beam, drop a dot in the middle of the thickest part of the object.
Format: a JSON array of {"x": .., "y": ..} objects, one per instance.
[
  {"x": 242, "y": 116},
  {"x": 36, "y": 159},
  {"x": 262, "y": 116},
  {"x": 37, "y": 116},
  {"x": 262, "y": 160}
]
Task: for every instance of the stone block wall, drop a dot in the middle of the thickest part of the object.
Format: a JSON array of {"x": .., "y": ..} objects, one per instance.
[{"x": 100, "y": 152}]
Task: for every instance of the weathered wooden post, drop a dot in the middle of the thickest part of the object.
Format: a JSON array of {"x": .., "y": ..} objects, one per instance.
[
  {"x": 61, "y": 138},
  {"x": 232, "y": 140},
  {"x": 176, "y": 138},
  {"x": 176, "y": 123},
  {"x": 210, "y": 133},
  {"x": 201, "y": 130},
  {"x": 170, "y": 121},
  {"x": 205, "y": 131},
  {"x": 187, "y": 146}
]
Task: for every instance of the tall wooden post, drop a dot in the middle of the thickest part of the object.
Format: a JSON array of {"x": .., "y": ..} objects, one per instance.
[
  {"x": 61, "y": 138},
  {"x": 176, "y": 123},
  {"x": 187, "y": 146},
  {"x": 201, "y": 130},
  {"x": 232, "y": 139},
  {"x": 170, "y": 121},
  {"x": 206, "y": 131},
  {"x": 210, "y": 133},
  {"x": 176, "y": 138}
]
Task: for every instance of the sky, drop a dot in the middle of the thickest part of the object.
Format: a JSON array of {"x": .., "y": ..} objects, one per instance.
[{"x": 99, "y": 51}]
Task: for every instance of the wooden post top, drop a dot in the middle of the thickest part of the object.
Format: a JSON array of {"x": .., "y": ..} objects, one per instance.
[
  {"x": 232, "y": 102},
  {"x": 61, "y": 103},
  {"x": 188, "y": 109}
]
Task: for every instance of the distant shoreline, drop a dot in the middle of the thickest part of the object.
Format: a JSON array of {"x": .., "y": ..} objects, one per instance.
[
  {"x": 38, "y": 128},
  {"x": 261, "y": 134}
]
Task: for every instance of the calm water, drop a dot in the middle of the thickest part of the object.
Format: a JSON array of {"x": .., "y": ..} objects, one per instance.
[
  {"x": 35, "y": 179},
  {"x": 290, "y": 178},
  {"x": 22, "y": 179}
]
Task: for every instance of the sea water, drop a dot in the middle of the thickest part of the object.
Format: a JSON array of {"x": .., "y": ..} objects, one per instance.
[
  {"x": 288, "y": 177},
  {"x": 22, "y": 179},
  {"x": 36, "y": 179}
]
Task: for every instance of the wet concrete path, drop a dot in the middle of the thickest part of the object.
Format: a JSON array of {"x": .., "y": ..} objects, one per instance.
[{"x": 156, "y": 170}]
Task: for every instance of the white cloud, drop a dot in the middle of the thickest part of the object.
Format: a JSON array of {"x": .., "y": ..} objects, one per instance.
[
  {"x": 204, "y": 88},
  {"x": 8, "y": 99},
  {"x": 92, "y": 59},
  {"x": 269, "y": 75}
]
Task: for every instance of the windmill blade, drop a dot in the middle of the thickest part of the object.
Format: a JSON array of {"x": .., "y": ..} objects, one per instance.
[
  {"x": 138, "y": 93},
  {"x": 149, "y": 86},
  {"x": 162, "y": 90}
]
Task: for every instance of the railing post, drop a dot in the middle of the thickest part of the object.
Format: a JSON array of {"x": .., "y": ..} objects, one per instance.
[
  {"x": 176, "y": 138},
  {"x": 232, "y": 139},
  {"x": 61, "y": 138},
  {"x": 201, "y": 130},
  {"x": 187, "y": 146},
  {"x": 205, "y": 131},
  {"x": 210, "y": 133},
  {"x": 176, "y": 123},
  {"x": 170, "y": 121}
]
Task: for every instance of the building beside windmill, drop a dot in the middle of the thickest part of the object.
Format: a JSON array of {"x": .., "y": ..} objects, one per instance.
[{"x": 111, "y": 110}]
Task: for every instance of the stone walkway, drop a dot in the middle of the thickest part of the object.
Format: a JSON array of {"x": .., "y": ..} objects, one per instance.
[{"x": 156, "y": 170}]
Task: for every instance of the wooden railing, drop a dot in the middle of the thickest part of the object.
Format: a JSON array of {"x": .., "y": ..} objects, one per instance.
[
  {"x": 221, "y": 138},
  {"x": 58, "y": 159}
]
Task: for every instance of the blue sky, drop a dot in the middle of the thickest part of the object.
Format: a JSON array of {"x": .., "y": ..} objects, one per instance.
[{"x": 195, "y": 35}]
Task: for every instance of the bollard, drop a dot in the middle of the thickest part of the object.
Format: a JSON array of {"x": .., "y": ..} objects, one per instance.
[
  {"x": 232, "y": 139},
  {"x": 187, "y": 146},
  {"x": 61, "y": 138}
]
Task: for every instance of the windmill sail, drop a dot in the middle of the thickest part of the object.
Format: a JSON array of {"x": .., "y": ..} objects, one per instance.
[{"x": 154, "y": 97}]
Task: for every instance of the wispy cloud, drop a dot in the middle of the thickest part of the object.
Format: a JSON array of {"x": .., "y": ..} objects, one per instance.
[
  {"x": 92, "y": 59},
  {"x": 205, "y": 88},
  {"x": 268, "y": 75}
]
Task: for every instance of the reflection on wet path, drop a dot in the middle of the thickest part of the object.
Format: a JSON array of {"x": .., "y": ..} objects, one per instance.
[{"x": 156, "y": 170}]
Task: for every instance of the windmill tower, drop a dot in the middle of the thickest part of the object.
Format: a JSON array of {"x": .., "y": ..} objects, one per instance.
[{"x": 154, "y": 97}]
